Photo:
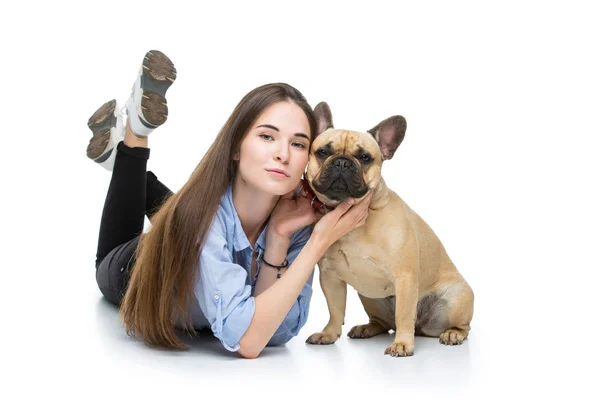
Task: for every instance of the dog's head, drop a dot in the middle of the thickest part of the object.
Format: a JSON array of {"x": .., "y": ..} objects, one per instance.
[{"x": 345, "y": 163}]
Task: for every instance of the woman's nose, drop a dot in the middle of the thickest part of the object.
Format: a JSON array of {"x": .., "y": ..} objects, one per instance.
[{"x": 283, "y": 154}]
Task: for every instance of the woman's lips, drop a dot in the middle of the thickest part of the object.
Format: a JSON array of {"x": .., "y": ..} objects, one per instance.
[{"x": 278, "y": 173}]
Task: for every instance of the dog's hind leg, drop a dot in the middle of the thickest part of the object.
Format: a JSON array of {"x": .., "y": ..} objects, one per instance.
[
  {"x": 460, "y": 312},
  {"x": 446, "y": 313},
  {"x": 381, "y": 314}
]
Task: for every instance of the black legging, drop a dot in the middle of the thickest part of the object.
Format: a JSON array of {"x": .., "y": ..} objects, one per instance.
[{"x": 132, "y": 193}]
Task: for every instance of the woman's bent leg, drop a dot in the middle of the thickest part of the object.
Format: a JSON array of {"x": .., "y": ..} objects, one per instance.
[
  {"x": 113, "y": 271},
  {"x": 125, "y": 205},
  {"x": 129, "y": 196}
]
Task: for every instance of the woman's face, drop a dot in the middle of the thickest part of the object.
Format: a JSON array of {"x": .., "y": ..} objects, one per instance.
[{"x": 274, "y": 152}]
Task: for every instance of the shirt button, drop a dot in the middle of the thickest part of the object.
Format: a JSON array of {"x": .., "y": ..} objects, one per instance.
[{"x": 217, "y": 297}]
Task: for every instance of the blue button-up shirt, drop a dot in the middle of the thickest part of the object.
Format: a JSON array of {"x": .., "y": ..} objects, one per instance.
[{"x": 224, "y": 291}]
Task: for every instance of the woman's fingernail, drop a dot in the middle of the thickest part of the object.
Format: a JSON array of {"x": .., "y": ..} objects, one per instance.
[{"x": 350, "y": 201}]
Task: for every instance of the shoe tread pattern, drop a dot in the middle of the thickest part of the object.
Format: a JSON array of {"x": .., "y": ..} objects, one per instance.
[
  {"x": 157, "y": 76},
  {"x": 100, "y": 124}
]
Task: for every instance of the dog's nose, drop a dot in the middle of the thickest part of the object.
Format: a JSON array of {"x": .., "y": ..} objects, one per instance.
[{"x": 342, "y": 163}]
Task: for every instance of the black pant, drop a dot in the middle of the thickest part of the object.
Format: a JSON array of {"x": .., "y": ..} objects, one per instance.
[{"x": 132, "y": 193}]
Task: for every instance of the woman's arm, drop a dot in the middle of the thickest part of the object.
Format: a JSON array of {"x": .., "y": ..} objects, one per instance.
[
  {"x": 274, "y": 302},
  {"x": 297, "y": 315},
  {"x": 275, "y": 253}
]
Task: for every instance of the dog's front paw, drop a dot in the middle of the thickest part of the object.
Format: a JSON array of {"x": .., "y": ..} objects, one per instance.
[
  {"x": 453, "y": 337},
  {"x": 400, "y": 349},
  {"x": 322, "y": 338}
]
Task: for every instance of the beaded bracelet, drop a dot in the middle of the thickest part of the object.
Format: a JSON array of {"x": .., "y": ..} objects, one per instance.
[{"x": 284, "y": 264}]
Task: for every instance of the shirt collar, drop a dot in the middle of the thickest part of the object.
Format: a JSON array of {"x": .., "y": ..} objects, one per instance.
[{"x": 240, "y": 240}]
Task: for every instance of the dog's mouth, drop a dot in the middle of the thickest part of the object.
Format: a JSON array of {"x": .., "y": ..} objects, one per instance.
[{"x": 339, "y": 184}]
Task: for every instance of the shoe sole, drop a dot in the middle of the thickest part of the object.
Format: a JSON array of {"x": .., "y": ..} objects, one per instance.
[
  {"x": 100, "y": 123},
  {"x": 158, "y": 74}
]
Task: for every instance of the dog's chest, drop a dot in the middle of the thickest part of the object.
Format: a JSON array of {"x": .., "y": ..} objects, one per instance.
[{"x": 355, "y": 266}]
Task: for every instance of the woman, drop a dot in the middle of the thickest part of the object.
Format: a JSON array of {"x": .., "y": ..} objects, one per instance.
[{"x": 233, "y": 249}]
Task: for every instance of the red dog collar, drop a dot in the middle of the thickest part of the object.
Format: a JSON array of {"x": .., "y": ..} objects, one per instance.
[{"x": 314, "y": 202}]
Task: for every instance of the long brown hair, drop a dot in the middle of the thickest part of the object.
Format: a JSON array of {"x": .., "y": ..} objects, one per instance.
[{"x": 161, "y": 286}]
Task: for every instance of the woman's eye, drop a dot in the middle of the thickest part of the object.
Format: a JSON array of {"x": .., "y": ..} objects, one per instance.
[
  {"x": 265, "y": 136},
  {"x": 299, "y": 145}
]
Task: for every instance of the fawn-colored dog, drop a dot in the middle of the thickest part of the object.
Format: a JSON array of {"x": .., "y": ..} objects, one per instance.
[{"x": 395, "y": 261}]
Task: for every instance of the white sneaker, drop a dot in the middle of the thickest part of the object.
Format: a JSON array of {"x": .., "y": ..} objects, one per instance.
[
  {"x": 107, "y": 130},
  {"x": 147, "y": 107}
]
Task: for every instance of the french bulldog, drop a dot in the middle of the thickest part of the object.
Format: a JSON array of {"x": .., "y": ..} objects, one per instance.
[{"x": 402, "y": 273}]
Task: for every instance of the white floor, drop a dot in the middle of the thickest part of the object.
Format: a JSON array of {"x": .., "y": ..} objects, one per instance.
[
  {"x": 75, "y": 346},
  {"x": 500, "y": 158},
  {"x": 348, "y": 367}
]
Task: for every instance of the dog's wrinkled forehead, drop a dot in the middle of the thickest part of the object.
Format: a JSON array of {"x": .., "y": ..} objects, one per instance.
[{"x": 341, "y": 141}]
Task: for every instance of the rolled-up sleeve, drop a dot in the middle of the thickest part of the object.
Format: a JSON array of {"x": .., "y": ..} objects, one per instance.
[
  {"x": 222, "y": 293},
  {"x": 298, "y": 314}
]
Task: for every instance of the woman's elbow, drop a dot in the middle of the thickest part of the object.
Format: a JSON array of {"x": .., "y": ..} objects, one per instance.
[
  {"x": 253, "y": 352},
  {"x": 248, "y": 352}
]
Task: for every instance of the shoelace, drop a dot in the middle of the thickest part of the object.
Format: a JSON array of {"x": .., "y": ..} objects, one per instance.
[{"x": 124, "y": 108}]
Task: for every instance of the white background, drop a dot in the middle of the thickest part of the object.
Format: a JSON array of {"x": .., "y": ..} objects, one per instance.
[{"x": 500, "y": 157}]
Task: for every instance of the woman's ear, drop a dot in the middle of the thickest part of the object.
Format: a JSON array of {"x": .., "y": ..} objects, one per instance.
[{"x": 236, "y": 156}]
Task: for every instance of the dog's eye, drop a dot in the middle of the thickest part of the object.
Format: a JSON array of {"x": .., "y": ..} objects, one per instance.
[
  {"x": 321, "y": 153},
  {"x": 365, "y": 158}
]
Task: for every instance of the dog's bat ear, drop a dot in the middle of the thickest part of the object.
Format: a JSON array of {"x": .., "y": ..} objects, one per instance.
[
  {"x": 323, "y": 117},
  {"x": 389, "y": 133}
]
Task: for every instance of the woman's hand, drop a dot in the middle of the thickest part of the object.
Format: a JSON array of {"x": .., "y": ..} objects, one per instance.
[
  {"x": 290, "y": 215},
  {"x": 343, "y": 219}
]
